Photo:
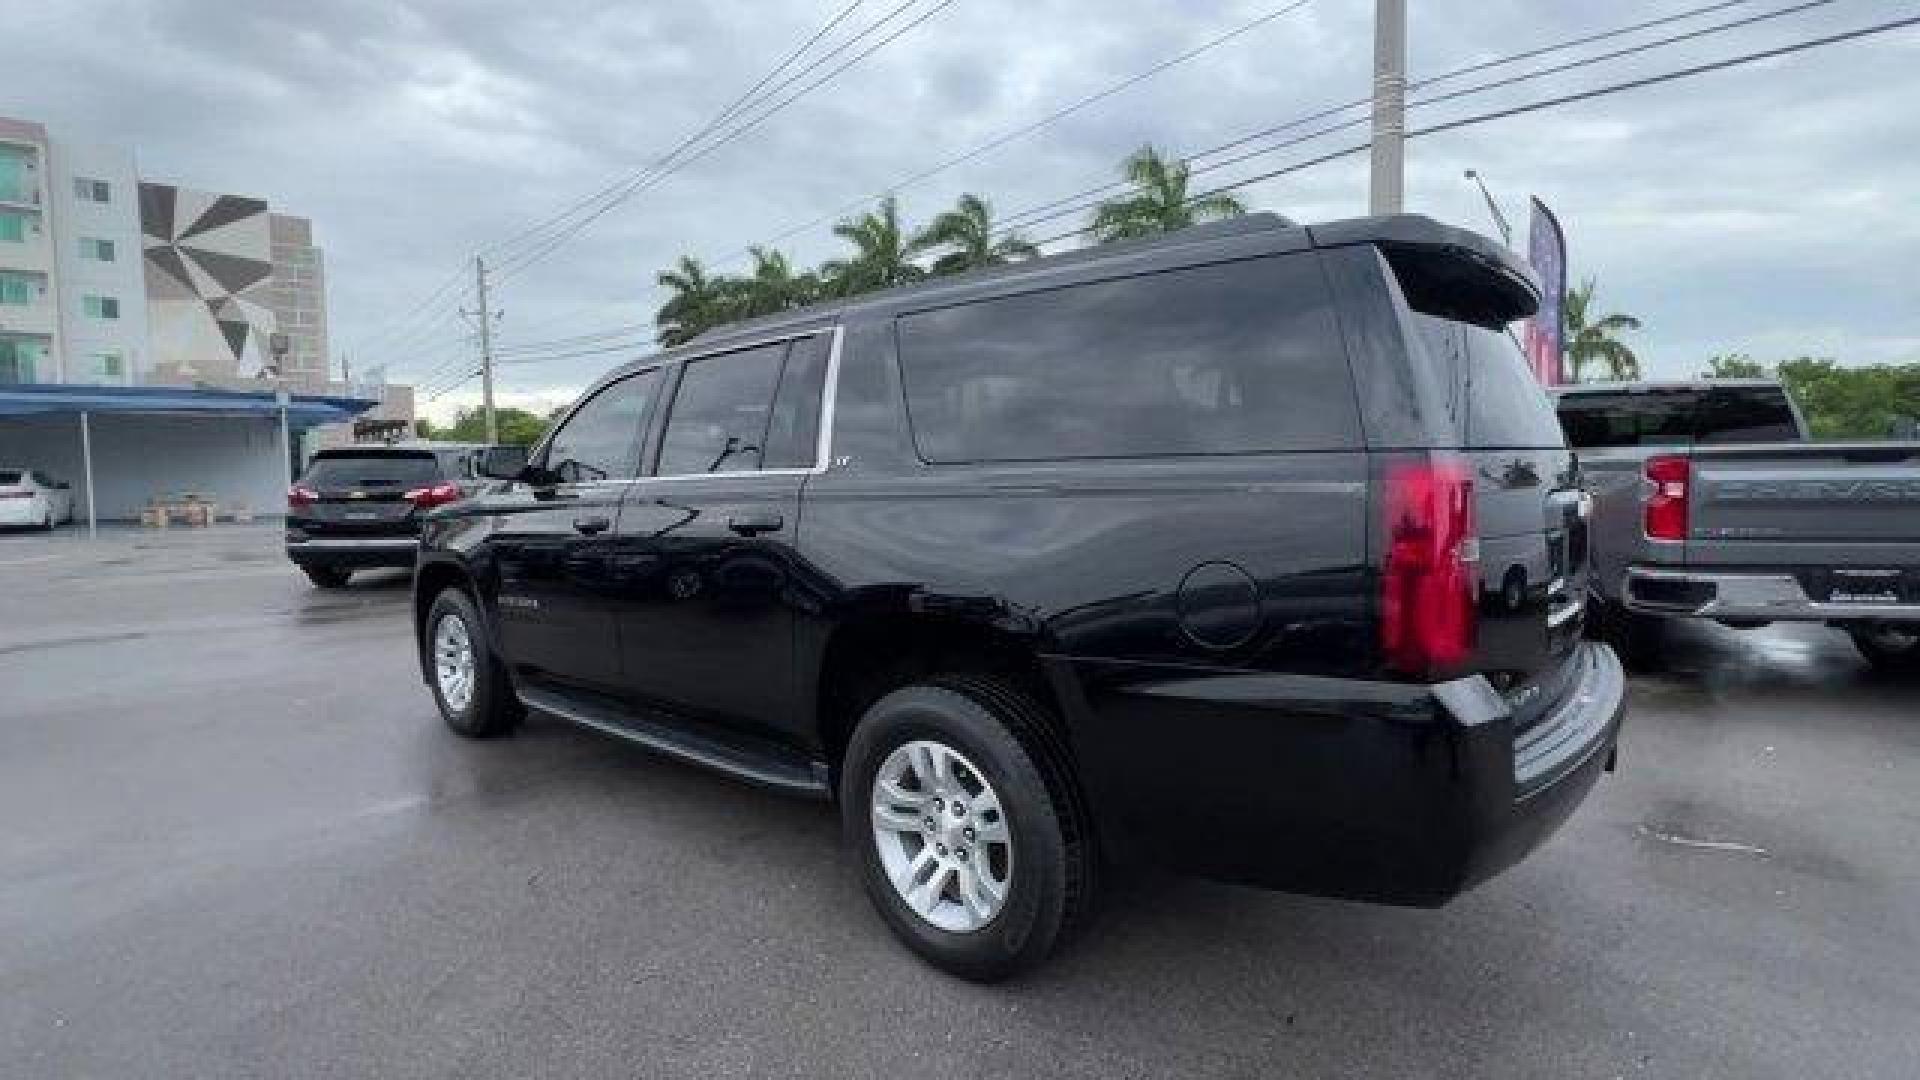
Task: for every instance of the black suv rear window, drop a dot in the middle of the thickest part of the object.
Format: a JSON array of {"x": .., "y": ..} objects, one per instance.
[
  {"x": 1234, "y": 358},
  {"x": 373, "y": 470},
  {"x": 9, "y": 477}
]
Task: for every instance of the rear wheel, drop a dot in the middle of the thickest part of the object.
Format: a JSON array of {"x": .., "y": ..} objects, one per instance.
[
  {"x": 972, "y": 848},
  {"x": 328, "y": 577},
  {"x": 1888, "y": 646},
  {"x": 471, "y": 687}
]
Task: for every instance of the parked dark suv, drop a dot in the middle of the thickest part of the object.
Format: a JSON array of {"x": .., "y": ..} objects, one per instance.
[
  {"x": 361, "y": 506},
  {"x": 1252, "y": 550}
]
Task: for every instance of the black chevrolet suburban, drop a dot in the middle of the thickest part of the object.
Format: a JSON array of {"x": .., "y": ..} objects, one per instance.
[{"x": 1252, "y": 550}]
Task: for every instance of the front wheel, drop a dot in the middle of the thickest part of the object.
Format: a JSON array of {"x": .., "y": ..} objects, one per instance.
[
  {"x": 471, "y": 687},
  {"x": 972, "y": 847},
  {"x": 1888, "y": 646}
]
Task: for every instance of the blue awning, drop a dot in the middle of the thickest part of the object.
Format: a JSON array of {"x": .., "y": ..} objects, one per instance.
[{"x": 303, "y": 410}]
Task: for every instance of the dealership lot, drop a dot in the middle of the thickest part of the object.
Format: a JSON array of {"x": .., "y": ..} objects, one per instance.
[{"x": 237, "y": 842}]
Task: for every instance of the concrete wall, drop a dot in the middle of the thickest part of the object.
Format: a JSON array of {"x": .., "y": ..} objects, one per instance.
[{"x": 138, "y": 457}]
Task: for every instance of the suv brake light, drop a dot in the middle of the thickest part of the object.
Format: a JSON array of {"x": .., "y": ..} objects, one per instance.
[
  {"x": 1666, "y": 513},
  {"x": 1428, "y": 580},
  {"x": 298, "y": 497},
  {"x": 437, "y": 495}
]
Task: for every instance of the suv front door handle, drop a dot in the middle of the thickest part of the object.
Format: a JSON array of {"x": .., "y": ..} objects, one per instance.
[
  {"x": 755, "y": 523},
  {"x": 593, "y": 525}
]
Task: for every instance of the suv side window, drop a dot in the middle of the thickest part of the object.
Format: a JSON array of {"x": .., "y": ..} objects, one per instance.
[
  {"x": 1234, "y": 358},
  {"x": 720, "y": 413},
  {"x": 601, "y": 440},
  {"x": 793, "y": 435}
]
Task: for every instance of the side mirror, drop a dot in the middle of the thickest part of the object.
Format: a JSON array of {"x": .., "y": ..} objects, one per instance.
[{"x": 501, "y": 462}]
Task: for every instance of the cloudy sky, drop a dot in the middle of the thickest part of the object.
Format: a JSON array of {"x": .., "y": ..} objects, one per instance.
[{"x": 1768, "y": 209}]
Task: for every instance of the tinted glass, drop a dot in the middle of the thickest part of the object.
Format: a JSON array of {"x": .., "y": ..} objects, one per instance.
[
  {"x": 601, "y": 440},
  {"x": 1231, "y": 359},
  {"x": 1506, "y": 405},
  {"x": 372, "y": 470},
  {"x": 793, "y": 435},
  {"x": 1627, "y": 419},
  {"x": 1743, "y": 414},
  {"x": 9, "y": 477},
  {"x": 719, "y": 418}
]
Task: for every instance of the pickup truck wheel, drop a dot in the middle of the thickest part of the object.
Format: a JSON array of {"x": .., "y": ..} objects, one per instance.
[
  {"x": 1889, "y": 646},
  {"x": 971, "y": 848},
  {"x": 470, "y": 685}
]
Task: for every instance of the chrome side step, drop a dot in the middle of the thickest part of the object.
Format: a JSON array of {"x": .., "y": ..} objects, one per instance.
[{"x": 762, "y": 764}]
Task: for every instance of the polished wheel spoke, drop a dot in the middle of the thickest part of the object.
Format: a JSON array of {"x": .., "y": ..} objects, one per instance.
[
  {"x": 453, "y": 661},
  {"x": 942, "y": 836}
]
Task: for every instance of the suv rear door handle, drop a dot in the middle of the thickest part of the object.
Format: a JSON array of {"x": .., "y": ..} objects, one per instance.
[
  {"x": 755, "y": 523},
  {"x": 591, "y": 526}
]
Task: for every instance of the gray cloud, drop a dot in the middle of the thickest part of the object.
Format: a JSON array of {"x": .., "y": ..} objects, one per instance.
[{"x": 1764, "y": 209}]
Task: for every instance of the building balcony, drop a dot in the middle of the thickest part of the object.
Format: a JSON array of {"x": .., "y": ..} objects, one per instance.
[{"x": 39, "y": 318}]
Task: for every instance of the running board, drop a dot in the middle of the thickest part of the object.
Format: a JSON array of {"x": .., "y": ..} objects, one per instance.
[{"x": 757, "y": 763}]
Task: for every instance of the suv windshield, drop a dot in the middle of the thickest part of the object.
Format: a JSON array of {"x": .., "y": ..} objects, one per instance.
[{"x": 373, "y": 470}]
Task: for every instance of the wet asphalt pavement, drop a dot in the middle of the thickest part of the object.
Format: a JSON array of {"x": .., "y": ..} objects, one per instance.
[{"x": 235, "y": 841}]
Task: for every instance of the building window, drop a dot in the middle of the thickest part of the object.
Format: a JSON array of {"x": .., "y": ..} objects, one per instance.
[
  {"x": 19, "y": 357},
  {"x": 95, "y": 249},
  {"x": 87, "y": 189},
  {"x": 13, "y": 228},
  {"x": 16, "y": 289},
  {"x": 100, "y": 307},
  {"x": 108, "y": 366},
  {"x": 16, "y": 175}
]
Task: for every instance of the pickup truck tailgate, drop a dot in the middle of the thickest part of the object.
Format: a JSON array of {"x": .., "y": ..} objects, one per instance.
[{"x": 1837, "y": 504}]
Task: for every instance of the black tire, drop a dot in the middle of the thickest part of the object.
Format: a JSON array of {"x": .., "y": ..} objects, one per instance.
[
  {"x": 492, "y": 709},
  {"x": 328, "y": 577},
  {"x": 1893, "y": 647},
  {"x": 1003, "y": 732}
]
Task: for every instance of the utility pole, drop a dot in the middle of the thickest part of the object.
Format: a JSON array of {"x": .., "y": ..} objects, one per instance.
[
  {"x": 486, "y": 350},
  {"x": 1389, "y": 106}
]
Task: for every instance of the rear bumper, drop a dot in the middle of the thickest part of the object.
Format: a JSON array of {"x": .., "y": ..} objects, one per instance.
[
  {"x": 1384, "y": 792},
  {"x": 354, "y": 550},
  {"x": 15, "y": 512},
  {"x": 1736, "y": 596}
]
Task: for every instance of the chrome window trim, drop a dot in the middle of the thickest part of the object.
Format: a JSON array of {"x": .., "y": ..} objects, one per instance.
[{"x": 829, "y": 396}]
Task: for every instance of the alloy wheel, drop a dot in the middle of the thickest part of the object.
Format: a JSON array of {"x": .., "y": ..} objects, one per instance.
[
  {"x": 453, "y": 661},
  {"x": 942, "y": 836}
]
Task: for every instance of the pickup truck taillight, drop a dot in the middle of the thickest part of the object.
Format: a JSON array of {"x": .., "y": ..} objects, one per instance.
[
  {"x": 437, "y": 495},
  {"x": 1666, "y": 513},
  {"x": 298, "y": 497},
  {"x": 1427, "y": 615}
]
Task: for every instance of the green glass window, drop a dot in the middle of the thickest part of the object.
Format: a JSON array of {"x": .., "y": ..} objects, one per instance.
[
  {"x": 13, "y": 228},
  {"x": 100, "y": 307},
  {"x": 15, "y": 290},
  {"x": 109, "y": 365},
  {"x": 96, "y": 250},
  {"x": 19, "y": 358},
  {"x": 13, "y": 174}
]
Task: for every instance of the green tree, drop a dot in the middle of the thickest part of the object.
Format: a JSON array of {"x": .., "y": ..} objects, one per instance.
[
  {"x": 699, "y": 302},
  {"x": 517, "y": 426},
  {"x": 967, "y": 230},
  {"x": 1734, "y": 366},
  {"x": 882, "y": 253},
  {"x": 1591, "y": 338},
  {"x": 773, "y": 286},
  {"x": 1159, "y": 201}
]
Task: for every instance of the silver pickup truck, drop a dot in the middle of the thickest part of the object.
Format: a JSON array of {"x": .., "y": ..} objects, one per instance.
[{"x": 1710, "y": 502}]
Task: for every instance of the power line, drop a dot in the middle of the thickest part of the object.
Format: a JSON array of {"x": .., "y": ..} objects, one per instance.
[
  {"x": 643, "y": 182},
  {"x": 719, "y": 118},
  {"x": 1553, "y": 102},
  {"x": 1083, "y": 200},
  {"x": 1051, "y": 118}
]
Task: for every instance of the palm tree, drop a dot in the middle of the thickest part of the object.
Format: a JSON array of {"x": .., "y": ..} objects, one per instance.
[
  {"x": 1589, "y": 339},
  {"x": 883, "y": 254},
  {"x": 1159, "y": 202},
  {"x": 773, "y": 286},
  {"x": 968, "y": 230},
  {"x": 699, "y": 302}
]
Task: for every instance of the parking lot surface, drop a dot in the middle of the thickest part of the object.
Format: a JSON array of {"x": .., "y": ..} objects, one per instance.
[{"x": 236, "y": 841}]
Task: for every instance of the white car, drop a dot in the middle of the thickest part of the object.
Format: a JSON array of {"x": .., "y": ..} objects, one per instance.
[{"x": 32, "y": 498}]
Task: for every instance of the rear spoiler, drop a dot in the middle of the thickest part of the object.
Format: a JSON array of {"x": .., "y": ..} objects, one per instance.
[{"x": 1446, "y": 272}]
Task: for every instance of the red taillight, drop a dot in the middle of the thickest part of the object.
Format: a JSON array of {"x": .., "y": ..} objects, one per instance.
[
  {"x": 298, "y": 497},
  {"x": 1427, "y": 615},
  {"x": 1667, "y": 501},
  {"x": 437, "y": 495}
]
